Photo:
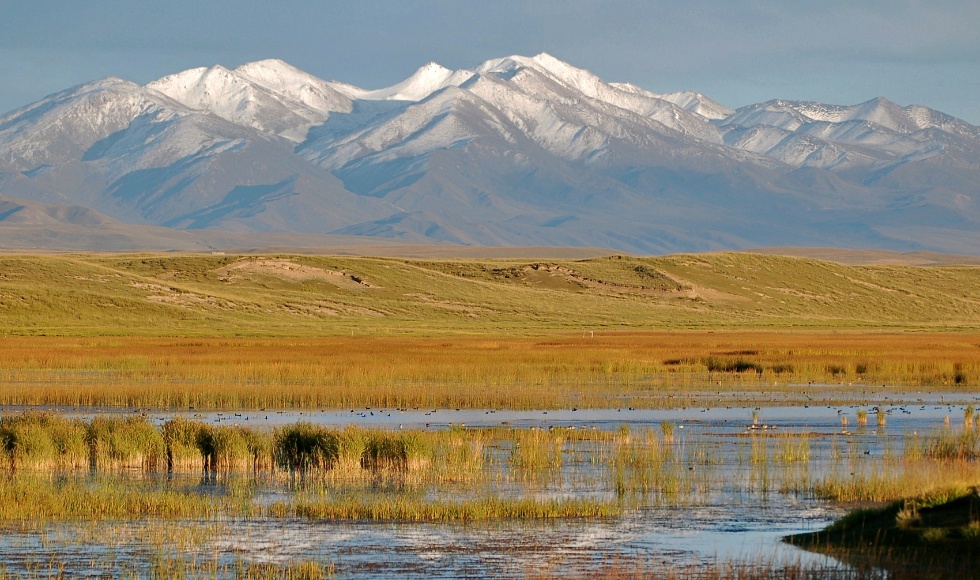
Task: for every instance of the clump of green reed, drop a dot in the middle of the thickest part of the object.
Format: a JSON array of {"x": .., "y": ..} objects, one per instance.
[
  {"x": 640, "y": 452},
  {"x": 352, "y": 444},
  {"x": 229, "y": 448},
  {"x": 667, "y": 428},
  {"x": 793, "y": 449},
  {"x": 537, "y": 451},
  {"x": 182, "y": 438},
  {"x": 862, "y": 417},
  {"x": 410, "y": 451},
  {"x": 946, "y": 445},
  {"x": 458, "y": 454},
  {"x": 42, "y": 441},
  {"x": 641, "y": 465},
  {"x": 126, "y": 443},
  {"x": 306, "y": 447},
  {"x": 222, "y": 448},
  {"x": 881, "y": 417},
  {"x": 968, "y": 414},
  {"x": 759, "y": 453}
]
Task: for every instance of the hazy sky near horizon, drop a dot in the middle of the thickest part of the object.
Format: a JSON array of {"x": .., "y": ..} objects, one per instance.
[{"x": 737, "y": 52}]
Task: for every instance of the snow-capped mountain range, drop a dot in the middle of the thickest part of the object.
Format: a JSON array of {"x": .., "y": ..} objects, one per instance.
[{"x": 517, "y": 151}]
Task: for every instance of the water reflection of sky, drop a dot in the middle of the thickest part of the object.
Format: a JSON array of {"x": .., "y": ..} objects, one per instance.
[{"x": 495, "y": 549}]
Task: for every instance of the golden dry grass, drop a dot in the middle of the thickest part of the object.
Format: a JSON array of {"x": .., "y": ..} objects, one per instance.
[{"x": 656, "y": 369}]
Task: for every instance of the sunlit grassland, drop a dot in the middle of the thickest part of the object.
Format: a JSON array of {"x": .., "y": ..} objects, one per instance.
[
  {"x": 295, "y": 295},
  {"x": 650, "y": 369}
]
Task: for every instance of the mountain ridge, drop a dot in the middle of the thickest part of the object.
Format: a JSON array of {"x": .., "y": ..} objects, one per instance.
[{"x": 516, "y": 151}]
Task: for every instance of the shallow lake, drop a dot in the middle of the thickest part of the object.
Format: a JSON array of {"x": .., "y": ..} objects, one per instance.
[{"x": 734, "y": 507}]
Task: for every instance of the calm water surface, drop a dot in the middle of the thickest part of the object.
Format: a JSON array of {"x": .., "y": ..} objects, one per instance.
[{"x": 733, "y": 517}]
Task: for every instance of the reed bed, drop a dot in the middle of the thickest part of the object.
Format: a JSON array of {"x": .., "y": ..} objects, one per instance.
[
  {"x": 36, "y": 498},
  {"x": 421, "y": 509},
  {"x": 931, "y": 464},
  {"x": 45, "y": 442},
  {"x": 537, "y": 451},
  {"x": 652, "y": 370},
  {"x": 41, "y": 441},
  {"x": 175, "y": 567}
]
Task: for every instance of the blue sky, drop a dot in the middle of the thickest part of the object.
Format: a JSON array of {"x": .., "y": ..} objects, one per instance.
[{"x": 735, "y": 51}]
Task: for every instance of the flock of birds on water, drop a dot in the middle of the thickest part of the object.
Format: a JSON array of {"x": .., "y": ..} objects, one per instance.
[{"x": 368, "y": 412}]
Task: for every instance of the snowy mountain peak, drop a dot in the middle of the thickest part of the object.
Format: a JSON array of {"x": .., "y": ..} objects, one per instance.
[
  {"x": 268, "y": 95},
  {"x": 198, "y": 88},
  {"x": 544, "y": 63},
  {"x": 426, "y": 80},
  {"x": 292, "y": 83},
  {"x": 521, "y": 150},
  {"x": 695, "y": 102},
  {"x": 880, "y": 112},
  {"x": 276, "y": 74}
]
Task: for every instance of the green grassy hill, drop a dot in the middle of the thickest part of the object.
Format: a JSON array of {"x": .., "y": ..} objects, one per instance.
[{"x": 301, "y": 295}]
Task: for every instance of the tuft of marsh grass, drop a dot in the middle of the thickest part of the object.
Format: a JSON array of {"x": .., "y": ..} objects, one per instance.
[
  {"x": 182, "y": 438},
  {"x": 42, "y": 441},
  {"x": 306, "y": 447},
  {"x": 408, "y": 451},
  {"x": 537, "y": 451},
  {"x": 949, "y": 446},
  {"x": 126, "y": 443}
]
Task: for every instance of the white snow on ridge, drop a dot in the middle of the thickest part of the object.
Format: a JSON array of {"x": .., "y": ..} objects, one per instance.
[
  {"x": 695, "y": 102},
  {"x": 426, "y": 80},
  {"x": 267, "y": 95},
  {"x": 287, "y": 80},
  {"x": 66, "y": 124}
]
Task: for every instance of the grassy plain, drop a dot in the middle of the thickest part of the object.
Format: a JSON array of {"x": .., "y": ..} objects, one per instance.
[
  {"x": 293, "y": 331},
  {"x": 295, "y": 296}
]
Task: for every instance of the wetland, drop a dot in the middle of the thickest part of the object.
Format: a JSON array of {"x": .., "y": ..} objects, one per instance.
[
  {"x": 315, "y": 416},
  {"x": 469, "y": 492}
]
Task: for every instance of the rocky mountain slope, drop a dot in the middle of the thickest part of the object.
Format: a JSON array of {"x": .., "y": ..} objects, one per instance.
[{"x": 517, "y": 151}]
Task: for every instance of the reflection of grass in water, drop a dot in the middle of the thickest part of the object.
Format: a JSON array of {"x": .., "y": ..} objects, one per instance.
[{"x": 38, "y": 499}]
